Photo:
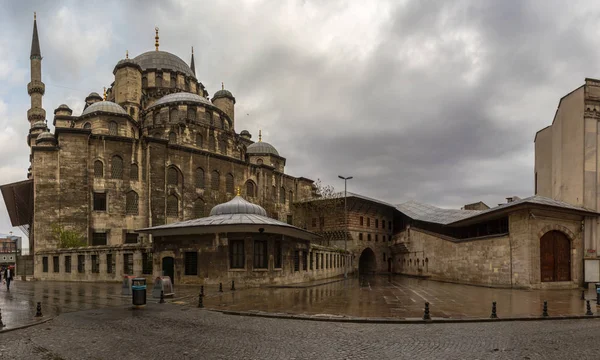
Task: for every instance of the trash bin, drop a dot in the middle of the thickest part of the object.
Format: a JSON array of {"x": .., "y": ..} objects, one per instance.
[{"x": 138, "y": 291}]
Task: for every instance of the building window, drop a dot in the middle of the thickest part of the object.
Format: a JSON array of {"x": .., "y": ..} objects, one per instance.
[
  {"x": 131, "y": 238},
  {"x": 376, "y": 237},
  {"x": 99, "y": 201},
  {"x": 55, "y": 264},
  {"x": 250, "y": 189},
  {"x": 80, "y": 263},
  {"x": 314, "y": 222},
  {"x": 113, "y": 128},
  {"x": 223, "y": 147},
  {"x": 290, "y": 197},
  {"x": 199, "y": 140},
  {"x": 134, "y": 173},
  {"x": 128, "y": 264},
  {"x": 147, "y": 263},
  {"x": 383, "y": 224},
  {"x": 158, "y": 80},
  {"x": 361, "y": 221},
  {"x": 211, "y": 144},
  {"x": 214, "y": 180},
  {"x": 274, "y": 193},
  {"x": 45, "y": 264},
  {"x": 296, "y": 260},
  {"x": 383, "y": 238},
  {"x": 360, "y": 236},
  {"x": 68, "y": 263},
  {"x": 191, "y": 113},
  {"x": 384, "y": 257},
  {"x": 172, "y": 138},
  {"x": 277, "y": 254},
  {"x": 173, "y": 115},
  {"x": 173, "y": 81},
  {"x": 261, "y": 260},
  {"x": 229, "y": 186},
  {"x": 259, "y": 161},
  {"x": 95, "y": 264},
  {"x": 200, "y": 178},
  {"x": 98, "y": 238},
  {"x": 368, "y": 237},
  {"x": 312, "y": 260},
  {"x": 304, "y": 260},
  {"x": 131, "y": 203},
  {"x": 199, "y": 208},
  {"x": 290, "y": 219},
  {"x": 98, "y": 169},
  {"x": 87, "y": 126},
  {"x": 368, "y": 222},
  {"x": 376, "y": 223},
  {"x": 172, "y": 176},
  {"x": 109, "y": 263},
  {"x": 282, "y": 195},
  {"x": 322, "y": 222},
  {"x": 172, "y": 206},
  {"x": 191, "y": 263},
  {"x": 236, "y": 254},
  {"x": 116, "y": 167}
]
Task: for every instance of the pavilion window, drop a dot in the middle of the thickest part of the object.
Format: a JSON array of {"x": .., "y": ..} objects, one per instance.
[
  {"x": 214, "y": 179},
  {"x": 134, "y": 172},
  {"x": 98, "y": 169},
  {"x": 172, "y": 206},
  {"x": 261, "y": 259},
  {"x": 68, "y": 263},
  {"x": 304, "y": 260},
  {"x": 147, "y": 260},
  {"x": 229, "y": 185},
  {"x": 128, "y": 264},
  {"x": 200, "y": 178},
  {"x": 45, "y": 264},
  {"x": 80, "y": 263},
  {"x": 113, "y": 128},
  {"x": 172, "y": 176},
  {"x": 95, "y": 264},
  {"x": 191, "y": 263},
  {"x": 116, "y": 168},
  {"x": 56, "y": 264},
  {"x": 296, "y": 260},
  {"x": 131, "y": 203},
  {"x": 109, "y": 263},
  {"x": 277, "y": 254},
  {"x": 236, "y": 254},
  {"x": 282, "y": 195}
]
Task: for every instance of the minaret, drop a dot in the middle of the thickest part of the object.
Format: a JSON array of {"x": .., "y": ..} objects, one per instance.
[
  {"x": 192, "y": 65},
  {"x": 36, "y": 87}
]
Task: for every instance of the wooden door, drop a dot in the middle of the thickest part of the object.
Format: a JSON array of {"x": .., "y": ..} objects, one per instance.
[{"x": 555, "y": 257}]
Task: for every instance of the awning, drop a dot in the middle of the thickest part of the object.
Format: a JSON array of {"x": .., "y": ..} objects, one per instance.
[{"x": 18, "y": 198}]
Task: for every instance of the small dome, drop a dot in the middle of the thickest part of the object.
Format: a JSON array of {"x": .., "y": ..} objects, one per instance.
[
  {"x": 104, "y": 106},
  {"x": 93, "y": 95},
  {"x": 45, "y": 137},
  {"x": 181, "y": 97},
  {"x": 223, "y": 94},
  {"x": 126, "y": 63},
  {"x": 64, "y": 106},
  {"x": 261, "y": 148},
  {"x": 238, "y": 205},
  {"x": 163, "y": 60},
  {"x": 38, "y": 125},
  {"x": 245, "y": 134}
]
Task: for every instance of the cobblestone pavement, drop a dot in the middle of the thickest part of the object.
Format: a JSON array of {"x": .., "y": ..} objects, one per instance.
[{"x": 169, "y": 331}]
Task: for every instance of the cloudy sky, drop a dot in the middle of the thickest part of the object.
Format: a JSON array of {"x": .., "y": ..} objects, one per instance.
[{"x": 436, "y": 101}]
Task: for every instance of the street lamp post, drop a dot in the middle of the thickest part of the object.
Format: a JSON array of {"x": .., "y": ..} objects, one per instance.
[{"x": 345, "y": 223}]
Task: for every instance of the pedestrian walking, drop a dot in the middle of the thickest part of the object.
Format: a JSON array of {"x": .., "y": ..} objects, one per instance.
[{"x": 8, "y": 276}]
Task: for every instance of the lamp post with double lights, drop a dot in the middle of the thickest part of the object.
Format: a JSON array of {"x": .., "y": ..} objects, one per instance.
[{"x": 345, "y": 223}]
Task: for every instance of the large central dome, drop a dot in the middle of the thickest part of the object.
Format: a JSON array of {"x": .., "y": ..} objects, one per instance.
[{"x": 163, "y": 60}]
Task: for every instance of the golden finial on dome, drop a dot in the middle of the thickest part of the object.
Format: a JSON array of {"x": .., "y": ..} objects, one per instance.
[
  {"x": 34, "y": 16},
  {"x": 239, "y": 192},
  {"x": 126, "y": 54},
  {"x": 105, "y": 94},
  {"x": 156, "y": 38},
  {"x": 222, "y": 86},
  {"x": 259, "y": 136},
  {"x": 192, "y": 50}
]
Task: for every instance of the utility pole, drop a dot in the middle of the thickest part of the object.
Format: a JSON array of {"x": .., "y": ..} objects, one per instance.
[{"x": 345, "y": 223}]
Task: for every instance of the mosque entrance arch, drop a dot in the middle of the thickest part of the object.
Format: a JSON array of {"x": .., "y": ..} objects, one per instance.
[
  {"x": 555, "y": 257},
  {"x": 168, "y": 268},
  {"x": 367, "y": 262}
]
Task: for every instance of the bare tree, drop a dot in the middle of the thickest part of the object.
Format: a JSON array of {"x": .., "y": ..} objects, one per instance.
[{"x": 325, "y": 206}]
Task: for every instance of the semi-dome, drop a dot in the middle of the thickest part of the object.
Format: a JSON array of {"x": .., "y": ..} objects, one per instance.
[
  {"x": 261, "y": 148},
  {"x": 45, "y": 137},
  {"x": 105, "y": 106},
  {"x": 164, "y": 61},
  {"x": 181, "y": 97},
  {"x": 238, "y": 205}
]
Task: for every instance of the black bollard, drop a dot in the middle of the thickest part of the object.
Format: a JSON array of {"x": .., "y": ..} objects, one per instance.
[
  {"x": 38, "y": 312},
  {"x": 202, "y": 289},
  {"x": 426, "y": 315},
  {"x": 494, "y": 315},
  {"x": 589, "y": 309},
  {"x": 201, "y": 300},
  {"x": 582, "y": 294},
  {"x": 545, "y": 310},
  {"x": 220, "y": 287},
  {"x": 162, "y": 297},
  {"x": 232, "y": 285}
]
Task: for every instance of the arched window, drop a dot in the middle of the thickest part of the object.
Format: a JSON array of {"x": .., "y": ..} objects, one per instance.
[
  {"x": 211, "y": 143},
  {"x": 291, "y": 197},
  {"x": 172, "y": 138},
  {"x": 259, "y": 161},
  {"x": 87, "y": 126},
  {"x": 282, "y": 195},
  {"x": 229, "y": 186},
  {"x": 200, "y": 178},
  {"x": 199, "y": 208},
  {"x": 98, "y": 169},
  {"x": 191, "y": 113},
  {"x": 113, "y": 128},
  {"x": 173, "y": 115},
  {"x": 199, "y": 140},
  {"x": 173, "y": 80},
  {"x": 223, "y": 147},
  {"x": 131, "y": 203},
  {"x": 214, "y": 180},
  {"x": 158, "y": 80},
  {"x": 116, "y": 167},
  {"x": 134, "y": 172},
  {"x": 250, "y": 189},
  {"x": 172, "y": 206},
  {"x": 172, "y": 176}
]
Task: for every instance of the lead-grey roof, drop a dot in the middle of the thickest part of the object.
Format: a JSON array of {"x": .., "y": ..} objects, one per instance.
[
  {"x": 238, "y": 205},
  {"x": 181, "y": 96},
  {"x": 163, "y": 60},
  {"x": 104, "y": 106},
  {"x": 225, "y": 219},
  {"x": 261, "y": 147}
]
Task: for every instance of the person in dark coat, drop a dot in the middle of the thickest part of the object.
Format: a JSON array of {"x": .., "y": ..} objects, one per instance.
[{"x": 8, "y": 276}]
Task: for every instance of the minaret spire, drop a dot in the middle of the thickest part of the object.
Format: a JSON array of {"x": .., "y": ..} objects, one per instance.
[
  {"x": 156, "y": 38},
  {"x": 192, "y": 65},
  {"x": 36, "y": 87},
  {"x": 35, "y": 41}
]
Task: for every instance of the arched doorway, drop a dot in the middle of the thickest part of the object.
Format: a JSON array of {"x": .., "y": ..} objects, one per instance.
[
  {"x": 555, "y": 257},
  {"x": 367, "y": 262},
  {"x": 168, "y": 268}
]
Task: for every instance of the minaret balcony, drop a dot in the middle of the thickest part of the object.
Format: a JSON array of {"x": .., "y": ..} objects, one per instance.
[
  {"x": 36, "y": 114},
  {"x": 36, "y": 87}
]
